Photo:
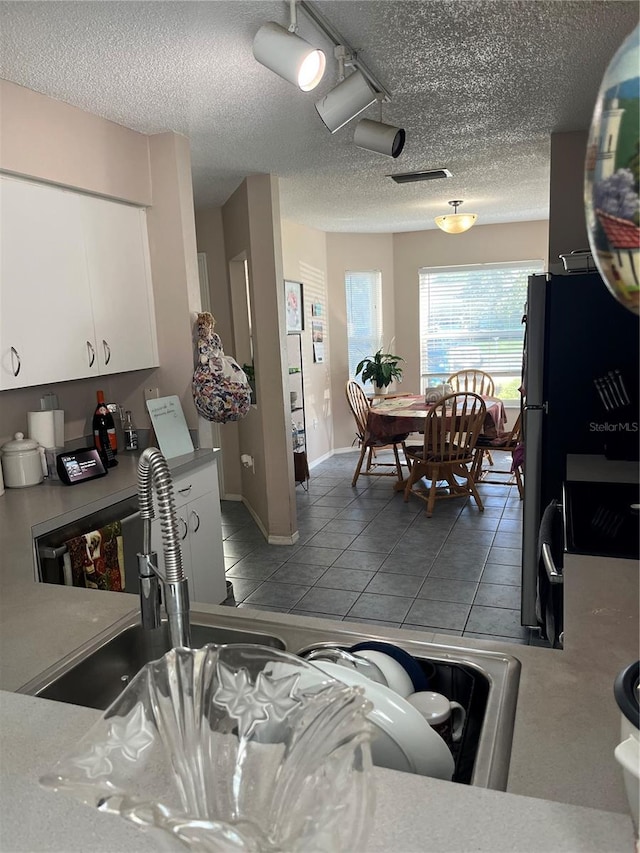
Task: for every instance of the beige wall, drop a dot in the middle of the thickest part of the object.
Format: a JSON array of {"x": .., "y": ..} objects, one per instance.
[
  {"x": 567, "y": 220},
  {"x": 251, "y": 223},
  {"x": 356, "y": 252},
  {"x": 304, "y": 255},
  {"x": 53, "y": 141},
  {"x": 48, "y": 140}
]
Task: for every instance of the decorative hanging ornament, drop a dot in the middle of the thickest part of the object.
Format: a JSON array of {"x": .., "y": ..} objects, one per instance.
[{"x": 612, "y": 173}]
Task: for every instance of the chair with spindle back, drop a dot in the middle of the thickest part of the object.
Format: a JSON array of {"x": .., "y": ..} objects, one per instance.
[
  {"x": 511, "y": 441},
  {"x": 478, "y": 382},
  {"x": 451, "y": 430},
  {"x": 360, "y": 405},
  {"x": 474, "y": 381}
]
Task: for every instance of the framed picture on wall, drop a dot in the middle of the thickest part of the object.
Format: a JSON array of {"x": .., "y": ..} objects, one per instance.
[{"x": 294, "y": 306}]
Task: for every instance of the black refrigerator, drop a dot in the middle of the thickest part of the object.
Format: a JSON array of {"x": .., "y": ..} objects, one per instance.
[{"x": 580, "y": 396}]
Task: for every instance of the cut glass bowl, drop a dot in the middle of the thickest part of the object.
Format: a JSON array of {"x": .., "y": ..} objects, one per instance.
[{"x": 231, "y": 748}]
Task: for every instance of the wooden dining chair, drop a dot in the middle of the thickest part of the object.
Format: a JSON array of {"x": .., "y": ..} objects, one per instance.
[
  {"x": 360, "y": 405},
  {"x": 475, "y": 381},
  {"x": 478, "y": 382},
  {"x": 510, "y": 441},
  {"x": 451, "y": 431}
]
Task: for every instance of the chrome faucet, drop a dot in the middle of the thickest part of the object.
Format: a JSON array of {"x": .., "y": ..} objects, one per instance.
[{"x": 153, "y": 470}]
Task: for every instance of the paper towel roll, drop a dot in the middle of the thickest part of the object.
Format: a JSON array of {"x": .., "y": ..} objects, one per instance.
[{"x": 41, "y": 426}]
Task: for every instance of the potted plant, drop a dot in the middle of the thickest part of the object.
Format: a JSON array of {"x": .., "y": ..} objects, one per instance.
[{"x": 380, "y": 369}]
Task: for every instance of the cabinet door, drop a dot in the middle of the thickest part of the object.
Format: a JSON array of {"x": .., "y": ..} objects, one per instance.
[
  {"x": 46, "y": 325},
  {"x": 207, "y": 581},
  {"x": 121, "y": 294}
]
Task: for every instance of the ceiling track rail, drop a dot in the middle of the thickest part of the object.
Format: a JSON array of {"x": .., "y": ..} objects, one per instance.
[{"x": 339, "y": 41}]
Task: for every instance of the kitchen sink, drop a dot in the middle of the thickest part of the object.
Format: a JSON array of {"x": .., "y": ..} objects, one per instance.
[
  {"x": 485, "y": 683},
  {"x": 95, "y": 677}
]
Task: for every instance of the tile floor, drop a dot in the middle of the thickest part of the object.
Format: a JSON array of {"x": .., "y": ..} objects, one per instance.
[{"x": 366, "y": 556}]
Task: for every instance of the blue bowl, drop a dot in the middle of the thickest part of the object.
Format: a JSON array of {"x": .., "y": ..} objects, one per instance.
[{"x": 420, "y": 679}]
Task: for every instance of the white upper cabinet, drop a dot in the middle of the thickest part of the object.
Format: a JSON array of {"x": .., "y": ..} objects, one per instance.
[
  {"x": 46, "y": 322},
  {"x": 118, "y": 262},
  {"x": 76, "y": 298}
]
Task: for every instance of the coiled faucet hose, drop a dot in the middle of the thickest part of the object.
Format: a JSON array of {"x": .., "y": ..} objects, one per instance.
[{"x": 153, "y": 470}]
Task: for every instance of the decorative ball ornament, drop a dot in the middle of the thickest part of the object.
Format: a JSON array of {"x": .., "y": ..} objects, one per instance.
[{"x": 612, "y": 174}]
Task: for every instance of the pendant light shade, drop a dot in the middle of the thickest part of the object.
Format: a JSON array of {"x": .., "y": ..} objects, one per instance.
[
  {"x": 456, "y": 223},
  {"x": 289, "y": 56},
  {"x": 347, "y": 100},
  {"x": 379, "y": 137}
]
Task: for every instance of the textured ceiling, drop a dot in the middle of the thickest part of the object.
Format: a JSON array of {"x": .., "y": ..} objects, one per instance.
[{"x": 479, "y": 87}]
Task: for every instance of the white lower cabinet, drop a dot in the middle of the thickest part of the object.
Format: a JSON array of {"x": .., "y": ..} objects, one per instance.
[{"x": 199, "y": 523}]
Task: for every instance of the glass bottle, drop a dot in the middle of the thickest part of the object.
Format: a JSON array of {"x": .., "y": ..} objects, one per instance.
[{"x": 130, "y": 432}]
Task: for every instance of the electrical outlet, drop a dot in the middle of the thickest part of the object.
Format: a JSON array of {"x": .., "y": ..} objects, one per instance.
[
  {"x": 315, "y": 423},
  {"x": 151, "y": 394}
]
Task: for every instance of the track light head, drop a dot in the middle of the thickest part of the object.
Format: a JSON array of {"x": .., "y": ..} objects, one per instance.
[
  {"x": 347, "y": 100},
  {"x": 289, "y": 56},
  {"x": 379, "y": 137}
]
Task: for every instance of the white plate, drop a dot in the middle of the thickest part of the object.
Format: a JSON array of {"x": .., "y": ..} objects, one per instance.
[{"x": 407, "y": 742}]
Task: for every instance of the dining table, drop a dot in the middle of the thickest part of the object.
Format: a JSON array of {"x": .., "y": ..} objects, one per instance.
[{"x": 399, "y": 416}]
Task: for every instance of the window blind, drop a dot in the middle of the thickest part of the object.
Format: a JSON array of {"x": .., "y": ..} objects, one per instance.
[
  {"x": 363, "y": 291},
  {"x": 472, "y": 317}
]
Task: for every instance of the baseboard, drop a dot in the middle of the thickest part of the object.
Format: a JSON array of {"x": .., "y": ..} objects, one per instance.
[
  {"x": 272, "y": 540},
  {"x": 338, "y": 450},
  {"x": 284, "y": 540},
  {"x": 231, "y": 497},
  {"x": 320, "y": 460}
]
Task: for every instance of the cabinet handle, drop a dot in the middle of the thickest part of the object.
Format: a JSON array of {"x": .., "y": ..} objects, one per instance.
[
  {"x": 197, "y": 527},
  {"x": 107, "y": 352},
  {"x": 92, "y": 353},
  {"x": 186, "y": 529},
  {"x": 186, "y": 490},
  {"x": 15, "y": 356}
]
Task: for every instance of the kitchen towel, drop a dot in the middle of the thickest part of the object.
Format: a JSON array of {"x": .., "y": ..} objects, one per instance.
[
  {"x": 46, "y": 427},
  {"x": 97, "y": 559}
]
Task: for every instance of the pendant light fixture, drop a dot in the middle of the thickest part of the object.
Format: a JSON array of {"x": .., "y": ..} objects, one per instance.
[
  {"x": 287, "y": 55},
  {"x": 456, "y": 223}
]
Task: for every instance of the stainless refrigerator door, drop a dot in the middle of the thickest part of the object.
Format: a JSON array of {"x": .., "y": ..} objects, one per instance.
[
  {"x": 534, "y": 356},
  {"x": 532, "y": 423}
]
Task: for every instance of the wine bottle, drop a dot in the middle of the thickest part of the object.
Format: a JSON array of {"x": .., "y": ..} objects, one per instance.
[{"x": 103, "y": 423}]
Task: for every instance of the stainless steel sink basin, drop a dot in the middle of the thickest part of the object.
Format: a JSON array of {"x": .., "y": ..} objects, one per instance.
[
  {"x": 94, "y": 677},
  {"x": 485, "y": 683}
]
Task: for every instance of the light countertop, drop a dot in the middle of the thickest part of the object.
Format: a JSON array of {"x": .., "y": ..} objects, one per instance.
[
  {"x": 567, "y": 722},
  {"x": 412, "y": 813}
]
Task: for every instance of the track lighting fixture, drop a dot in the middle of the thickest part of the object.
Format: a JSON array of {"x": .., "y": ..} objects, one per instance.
[
  {"x": 347, "y": 100},
  {"x": 289, "y": 56},
  {"x": 379, "y": 137},
  {"x": 456, "y": 223}
]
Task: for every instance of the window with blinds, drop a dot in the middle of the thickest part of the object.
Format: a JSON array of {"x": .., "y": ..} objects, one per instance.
[
  {"x": 472, "y": 317},
  {"x": 363, "y": 290}
]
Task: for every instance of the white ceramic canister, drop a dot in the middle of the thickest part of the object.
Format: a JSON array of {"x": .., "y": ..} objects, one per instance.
[{"x": 21, "y": 462}]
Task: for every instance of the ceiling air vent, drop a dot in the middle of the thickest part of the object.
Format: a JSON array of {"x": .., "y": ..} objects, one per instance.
[{"x": 429, "y": 175}]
